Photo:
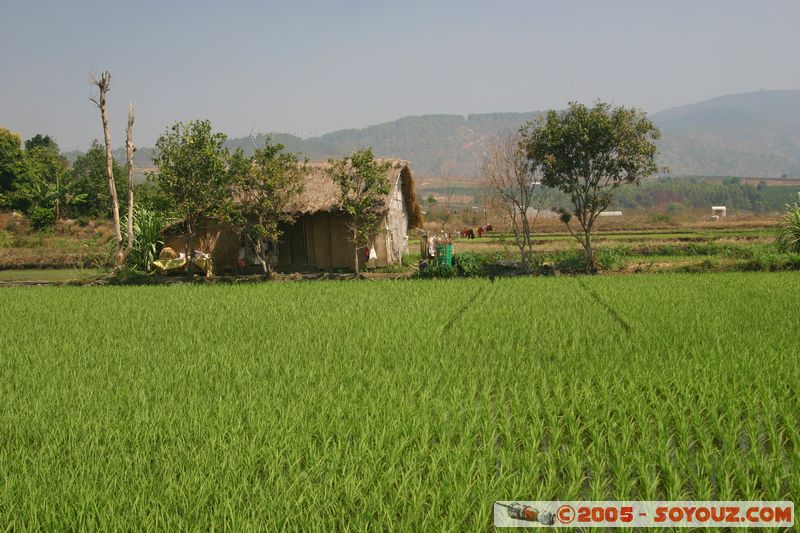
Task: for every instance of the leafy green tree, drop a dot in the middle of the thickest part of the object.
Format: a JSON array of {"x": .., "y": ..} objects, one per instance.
[
  {"x": 89, "y": 178},
  {"x": 363, "y": 184},
  {"x": 587, "y": 153},
  {"x": 11, "y": 166},
  {"x": 194, "y": 176},
  {"x": 267, "y": 188},
  {"x": 42, "y": 141},
  {"x": 41, "y": 184},
  {"x": 149, "y": 195}
]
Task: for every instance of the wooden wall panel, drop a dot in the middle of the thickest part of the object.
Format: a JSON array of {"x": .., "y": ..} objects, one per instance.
[
  {"x": 341, "y": 245},
  {"x": 322, "y": 241}
]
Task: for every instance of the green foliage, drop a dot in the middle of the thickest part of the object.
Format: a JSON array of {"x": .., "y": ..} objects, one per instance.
[
  {"x": 464, "y": 265},
  {"x": 41, "y": 183},
  {"x": 435, "y": 270},
  {"x": 611, "y": 258},
  {"x": 193, "y": 174},
  {"x": 691, "y": 192},
  {"x": 42, "y": 141},
  {"x": 698, "y": 193},
  {"x": 147, "y": 241},
  {"x": 149, "y": 195},
  {"x": 10, "y": 159},
  {"x": 41, "y": 217},
  {"x": 267, "y": 186},
  {"x": 676, "y": 207},
  {"x": 470, "y": 265},
  {"x": 363, "y": 184},
  {"x": 5, "y": 238},
  {"x": 89, "y": 178},
  {"x": 662, "y": 218},
  {"x": 40, "y": 178},
  {"x": 789, "y": 233},
  {"x": 586, "y": 153}
]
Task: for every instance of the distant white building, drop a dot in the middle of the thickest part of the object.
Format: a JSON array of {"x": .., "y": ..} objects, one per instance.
[{"x": 719, "y": 210}]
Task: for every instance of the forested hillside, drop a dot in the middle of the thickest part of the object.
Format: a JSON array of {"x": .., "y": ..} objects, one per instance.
[{"x": 753, "y": 134}]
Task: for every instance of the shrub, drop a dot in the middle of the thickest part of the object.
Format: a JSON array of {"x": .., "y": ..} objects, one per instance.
[
  {"x": 147, "y": 242},
  {"x": 661, "y": 218},
  {"x": 436, "y": 271},
  {"x": 41, "y": 217},
  {"x": 611, "y": 258},
  {"x": 789, "y": 233},
  {"x": 676, "y": 207},
  {"x": 5, "y": 239},
  {"x": 470, "y": 265}
]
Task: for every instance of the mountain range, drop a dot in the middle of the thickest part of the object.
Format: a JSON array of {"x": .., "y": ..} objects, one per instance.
[{"x": 752, "y": 134}]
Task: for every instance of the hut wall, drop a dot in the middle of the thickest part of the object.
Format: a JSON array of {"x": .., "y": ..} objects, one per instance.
[
  {"x": 316, "y": 242},
  {"x": 391, "y": 244},
  {"x": 308, "y": 234},
  {"x": 396, "y": 235},
  {"x": 341, "y": 246},
  {"x": 293, "y": 245},
  {"x": 380, "y": 250},
  {"x": 321, "y": 231}
]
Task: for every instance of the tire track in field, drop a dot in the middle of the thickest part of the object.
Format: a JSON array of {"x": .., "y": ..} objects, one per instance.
[
  {"x": 458, "y": 313},
  {"x": 613, "y": 313}
]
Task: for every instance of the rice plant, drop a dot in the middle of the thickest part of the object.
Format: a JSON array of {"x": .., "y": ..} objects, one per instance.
[{"x": 393, "y": 405}]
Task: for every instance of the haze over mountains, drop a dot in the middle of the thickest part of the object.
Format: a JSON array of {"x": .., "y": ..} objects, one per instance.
[{"x": 753, "y": 134}]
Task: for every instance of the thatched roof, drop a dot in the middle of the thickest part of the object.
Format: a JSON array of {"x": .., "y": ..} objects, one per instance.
[{"x": 321, "y": 194}]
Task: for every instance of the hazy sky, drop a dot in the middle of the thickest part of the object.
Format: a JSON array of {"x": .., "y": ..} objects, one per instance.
[{"x": 325, "y": 65}]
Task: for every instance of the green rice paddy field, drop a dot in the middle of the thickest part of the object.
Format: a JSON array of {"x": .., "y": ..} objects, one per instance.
[{"x": 405, "y": 405}]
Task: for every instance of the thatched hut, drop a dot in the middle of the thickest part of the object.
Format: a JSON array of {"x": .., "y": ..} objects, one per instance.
[{"x": 319, "y": 240}]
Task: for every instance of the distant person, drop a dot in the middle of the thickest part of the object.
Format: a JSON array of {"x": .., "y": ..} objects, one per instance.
[
  {"x": 470, "y": 234},
  {"x": 480, "y": 232}
]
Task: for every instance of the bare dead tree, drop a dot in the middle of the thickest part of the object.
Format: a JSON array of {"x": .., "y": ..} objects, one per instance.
[
  {"x": 103, "y": 84},
  {"x": 130, "y": 149},
  {"x": 515, "y": 189}
]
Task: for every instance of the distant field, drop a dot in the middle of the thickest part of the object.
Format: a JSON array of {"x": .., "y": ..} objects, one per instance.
[
  {"x": 392, "y": 405},
  {"x": 736, "y": 244},
  {"x": 700, "y": 249}
]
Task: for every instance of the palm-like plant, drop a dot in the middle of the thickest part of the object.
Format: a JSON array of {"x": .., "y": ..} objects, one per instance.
[
  {"x": 147, "y": 242},
  {"x": 789, "y": 232}
]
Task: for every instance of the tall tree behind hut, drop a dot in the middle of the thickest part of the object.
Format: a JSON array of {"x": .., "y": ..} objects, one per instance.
[
  {"x": 103, "y": 84},
  {"x": 363, "y": 183},
  {"x": 514, "y": 187},
  {"x": 195, "y": 176},
  {"x": 266, "y": 188}
]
